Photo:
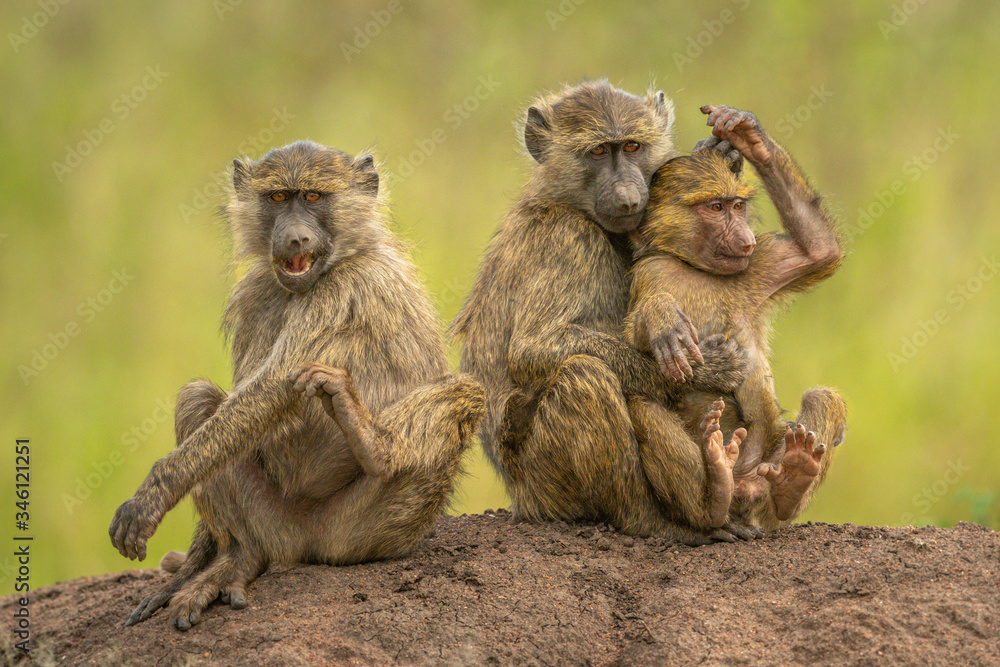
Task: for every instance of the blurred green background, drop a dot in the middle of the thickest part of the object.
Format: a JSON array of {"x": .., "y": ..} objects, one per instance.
[{"x": 121, "y": 119}]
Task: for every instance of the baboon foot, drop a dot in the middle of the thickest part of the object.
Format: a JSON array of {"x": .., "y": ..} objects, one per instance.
[
  {"x": 748, "y": 485},
  {"x": 235, "y": 595},
  {"x": 719, "y": 461},
  {"x": 148, "y": 607},
  {"x": 189, "y": 603},
  {"x": 798, "y": 469}
]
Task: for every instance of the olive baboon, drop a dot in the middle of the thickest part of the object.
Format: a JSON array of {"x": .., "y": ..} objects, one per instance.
[
  {"x": 542, "y": 330},
  {"x": 696, "y": 254},
  {"x": 360, "y": 474}
]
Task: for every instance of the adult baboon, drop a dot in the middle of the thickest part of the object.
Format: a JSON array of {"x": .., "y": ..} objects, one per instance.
[
  {"x": 542, "y": 330},
  {"x": 331, "y": 307},
  {"x": 696, "y": 254}
]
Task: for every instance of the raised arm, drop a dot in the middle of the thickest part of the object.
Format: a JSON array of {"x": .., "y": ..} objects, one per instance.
[{"x": 809, "y": 250}]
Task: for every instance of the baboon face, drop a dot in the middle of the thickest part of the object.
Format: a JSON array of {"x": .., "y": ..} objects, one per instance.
[
  {"x": 700, "y": 213},
  {"x": 724, "y": 240},
  {"x": 300, "y": 199},
  {"x": 598, "y": 147}
]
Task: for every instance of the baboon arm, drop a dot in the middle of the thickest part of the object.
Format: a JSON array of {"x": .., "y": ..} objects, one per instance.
[
  {"x": 246, "y": 414},
  {"x": 809, "y": 250},
  {"x": 535, "y": 358}
]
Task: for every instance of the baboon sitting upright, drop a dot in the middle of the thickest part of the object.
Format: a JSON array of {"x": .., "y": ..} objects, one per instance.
[
  {"x": 696, "y": 254},
  {"x": 347, "y": 458},
  {"x": 542, "y": 330}
]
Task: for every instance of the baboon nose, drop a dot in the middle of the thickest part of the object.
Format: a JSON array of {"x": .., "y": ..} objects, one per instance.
[
  {"x": 747, "y": 243},
  {"x": 297, "y": 241},
  {"x": 628, "y": 200}
]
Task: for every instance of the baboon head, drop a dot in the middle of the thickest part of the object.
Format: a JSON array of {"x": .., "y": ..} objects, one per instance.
[
  {"x": 698, "y": 212},
  {"x": 303, "y": 207},
  {"x": 596, "y": 149}
]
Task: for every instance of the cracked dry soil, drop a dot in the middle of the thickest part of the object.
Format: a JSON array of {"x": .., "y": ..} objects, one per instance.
[{"x": 486, "y": 590}]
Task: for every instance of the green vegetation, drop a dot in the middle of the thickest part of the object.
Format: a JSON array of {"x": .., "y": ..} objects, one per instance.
[{"x": 121, "y": 120}]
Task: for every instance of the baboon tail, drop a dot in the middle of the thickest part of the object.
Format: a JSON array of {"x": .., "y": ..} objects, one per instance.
[{"x": 172, "y": 561}]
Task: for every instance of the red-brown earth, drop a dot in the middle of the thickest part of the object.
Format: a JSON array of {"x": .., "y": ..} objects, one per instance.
[{"x": 486, "y": 590}]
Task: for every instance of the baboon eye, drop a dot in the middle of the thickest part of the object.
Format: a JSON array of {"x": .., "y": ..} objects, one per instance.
[
  {"x": 311, "y": 196},
  {"x": 599, "y": 150},
  {"x": 738, "y": 205},
  {"x": 715, "y": 206},
  {"x": 279, "y": 196},
  {"x": 631, "y": 146}
]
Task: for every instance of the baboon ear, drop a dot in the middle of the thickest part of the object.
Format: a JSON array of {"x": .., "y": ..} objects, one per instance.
[
  {"x": 241, "y": 174},
  {"x": 536, "y": 133},
  {"x": 365, "y": 166},
  {"x": 663, "y": 106}
]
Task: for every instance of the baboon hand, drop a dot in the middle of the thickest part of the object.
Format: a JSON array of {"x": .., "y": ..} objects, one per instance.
[
  {"x": 729, "y": 153},
  {"x": 724, "y": 367},
  {"x": 741, "y": 129},
  {"x": 671, "y": 345},
  {"x": 134, "y": 523},
  {"x": 326, "y": 382}
]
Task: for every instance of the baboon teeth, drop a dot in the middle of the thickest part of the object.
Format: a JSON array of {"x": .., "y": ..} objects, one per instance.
[{"x": 298, "y": 264}]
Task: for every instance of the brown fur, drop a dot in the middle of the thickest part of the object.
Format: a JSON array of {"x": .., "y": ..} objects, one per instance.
[
  {"x": 279, "y": 477},
  {"x": 542, "y": 330},
  {"x": 670, "y": 273}
]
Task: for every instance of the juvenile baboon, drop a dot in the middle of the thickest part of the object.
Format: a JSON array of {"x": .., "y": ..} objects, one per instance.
[
  {"x": 542, "y": 330},
  {"x": 330, "y": 309},
  {"x": 696, "y": 254}
]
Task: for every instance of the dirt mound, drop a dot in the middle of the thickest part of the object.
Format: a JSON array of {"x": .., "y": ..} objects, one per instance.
[{"x": 486, "y": 590}]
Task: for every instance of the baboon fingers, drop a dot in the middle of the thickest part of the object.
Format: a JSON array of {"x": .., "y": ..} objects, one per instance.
[
  {"x": 691, "y": 345},
  {"x": 818, "y": 451},
  {"x": 147, "y": 608},
  {"x": 680, "y": 359},
  {"x": 235, "y": 595},
  {"x": 722, "y": 535},
  {"x": 769, "y": 471},
  {"x": 661, "y": 361},
  {"x": 746, "y": 533}
]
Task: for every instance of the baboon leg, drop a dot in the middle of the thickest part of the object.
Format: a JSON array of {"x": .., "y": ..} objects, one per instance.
[
  {"x": 411, "y": 456},
  {"x": 202, "y": 551},
  {"x": 764, "y": 444},
  {"x": 694, "y": 481},
  {"x": 581, "y": 459},
  {"x": 196, "y": 402},
  {"x": 808, "y": 450}
]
